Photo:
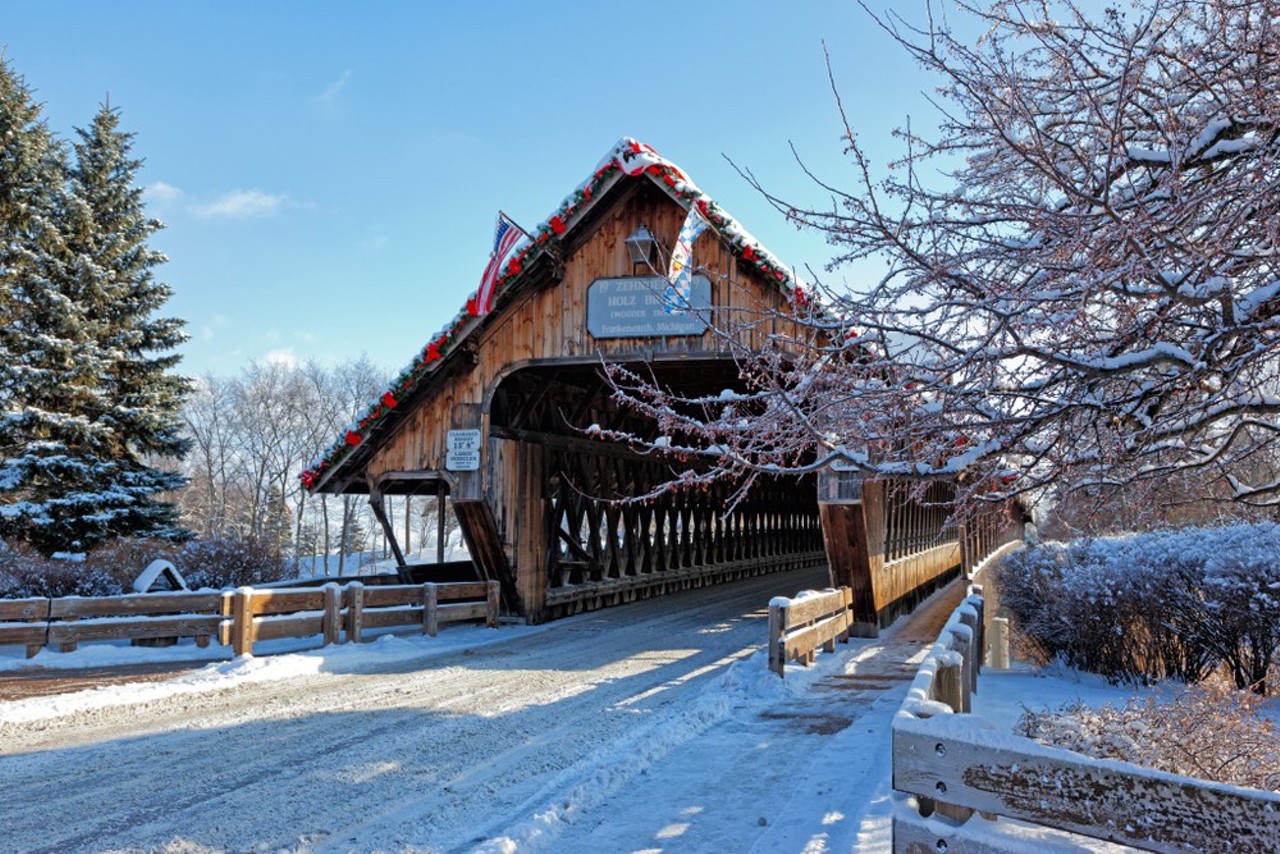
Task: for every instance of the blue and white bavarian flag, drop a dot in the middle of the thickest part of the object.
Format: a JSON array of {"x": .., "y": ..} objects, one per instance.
[{"x": 680, "y": 273}]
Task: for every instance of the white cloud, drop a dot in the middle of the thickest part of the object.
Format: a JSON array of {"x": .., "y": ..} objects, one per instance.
[
  {"x": 328, "y": 99},
  {"x": 242, "y": 204},
  {"x": 283, "y": 356},
  {"x": 210, "y": 329},
  {"x": 162, "y": 194}
]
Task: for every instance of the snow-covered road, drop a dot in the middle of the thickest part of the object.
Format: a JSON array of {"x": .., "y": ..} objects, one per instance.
[{"x": 624, "y": 729}]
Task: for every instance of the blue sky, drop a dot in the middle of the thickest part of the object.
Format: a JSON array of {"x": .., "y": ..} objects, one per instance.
[{"x": 329, "y": 172}]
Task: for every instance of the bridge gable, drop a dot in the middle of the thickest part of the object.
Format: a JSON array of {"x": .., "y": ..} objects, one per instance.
[{"x": 549, "y": 303}]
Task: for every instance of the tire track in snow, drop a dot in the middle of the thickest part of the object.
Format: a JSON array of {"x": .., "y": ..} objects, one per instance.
[{"x": 388, "y": 757}]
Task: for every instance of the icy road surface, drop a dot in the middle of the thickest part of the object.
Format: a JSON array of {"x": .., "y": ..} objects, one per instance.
[{"x": 624, "y": 729}]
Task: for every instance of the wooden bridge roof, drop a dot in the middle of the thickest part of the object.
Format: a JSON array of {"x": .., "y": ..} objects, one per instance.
[{"x": 532, "y": 264}]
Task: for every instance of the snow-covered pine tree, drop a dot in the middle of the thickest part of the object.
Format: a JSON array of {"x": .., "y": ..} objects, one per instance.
[
  {"x": 107, "y": 238},
  {"x": 85, "y": 400},
  {"x": 53, "y": 448}
]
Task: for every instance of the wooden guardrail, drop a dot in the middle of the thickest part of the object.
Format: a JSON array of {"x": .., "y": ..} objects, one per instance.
[
  {"x": 239, "y": 618},
  {"x": 797, "y": 627},
  {"x": 258, "y": 615},
  {"x": 26, "y": 622},
  {"x": 964, "y": 776},
  {"x": 141, "y": 616}
]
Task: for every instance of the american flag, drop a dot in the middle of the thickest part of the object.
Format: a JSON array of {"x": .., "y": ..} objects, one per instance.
[{"x": 505, "y": 237}]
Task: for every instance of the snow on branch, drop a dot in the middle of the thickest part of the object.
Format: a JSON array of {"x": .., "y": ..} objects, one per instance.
[{"x": 1089, "y": 292}]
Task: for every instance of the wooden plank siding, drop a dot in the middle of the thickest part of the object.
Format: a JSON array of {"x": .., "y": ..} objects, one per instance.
[
  {"x": 542, "y": 323},
  {"x": 550, "y": 324},
  {"x": 890, "y": 549}
]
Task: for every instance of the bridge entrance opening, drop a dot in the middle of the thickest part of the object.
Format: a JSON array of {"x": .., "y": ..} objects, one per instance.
[{"x": 611, "y": 524}]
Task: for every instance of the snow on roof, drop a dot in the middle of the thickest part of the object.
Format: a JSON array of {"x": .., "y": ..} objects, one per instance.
[
  {"x": 155, "y": 571},
  {"x": 629, "y": 157}
]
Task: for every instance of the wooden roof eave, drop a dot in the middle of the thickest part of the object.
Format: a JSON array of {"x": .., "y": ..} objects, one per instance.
[{"x": 542, "y": 268}]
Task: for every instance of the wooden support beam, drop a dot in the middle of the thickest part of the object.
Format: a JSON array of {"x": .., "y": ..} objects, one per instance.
[
  {"x": 534, "y": 400},
  {"x": 440, "y": 526},
  {"x": 480, "y": 530},
  {"x": 565, "y": 443},
  {"x": 380, "y": 513}
]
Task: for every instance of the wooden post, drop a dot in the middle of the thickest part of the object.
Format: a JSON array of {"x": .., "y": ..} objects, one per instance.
[
  {"x": 978, "y": 641},
  {"x": 1000, "y": 643},
  {"x": 408, "y": 525},
  {"x": 331, "y": 625},
  {"x": 440, "y": 529},
  {"x": 974, "y": 659},
  {"x": 380, "y": 513},
  {"x": 949, "y": 686},
  {"x": 35, "y": 610},
  {"x": 242, "y": 621},
  {"x": 491, "y": 605},
  {"x": 355, "y": 611},
  {"x": 777, "y": 626},
  {"x": 964, "y": 645},
  {"x": 430, "y": 609},
  {"x": 846, "y": 598}
]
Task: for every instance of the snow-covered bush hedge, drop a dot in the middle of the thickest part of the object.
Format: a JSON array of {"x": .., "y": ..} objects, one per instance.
[
  {"x": 228, "y": 562},
  {"x": 1169, "y": 604},
  {"x": 111, "y": 569},
  {"x": 1205, "y": 732},
  {"x": 26, "y": 573}
]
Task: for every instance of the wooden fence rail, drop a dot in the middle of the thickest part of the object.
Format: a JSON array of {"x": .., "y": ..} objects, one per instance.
[
  {"x": 241, "y": 617},
  {"x": 26, "y": 622},
  {"x": 142, "y": 616},
  {"x": 257, "y": 615},
  {"x": 955, "y": 769},
  {"x": 797, "y": 627}
]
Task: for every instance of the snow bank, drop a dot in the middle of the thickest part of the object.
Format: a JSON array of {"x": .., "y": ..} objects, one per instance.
[{"x": 248, "y": 669}]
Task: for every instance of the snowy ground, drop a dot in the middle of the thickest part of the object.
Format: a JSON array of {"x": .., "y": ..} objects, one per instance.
[{"x": 652, "y": 727}]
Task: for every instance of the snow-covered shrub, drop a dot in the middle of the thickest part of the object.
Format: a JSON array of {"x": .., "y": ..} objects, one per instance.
[
  {"x": 1173, "y": 604},
  {"x": 1233, "y": 605},
  {"x": 1206, "y": 732},
  {"x": 125, "y": 558},
  {"x": 25, "y": 573},
  {"x": 228, "y": 562},
  {"x": 111, "y": 569}
]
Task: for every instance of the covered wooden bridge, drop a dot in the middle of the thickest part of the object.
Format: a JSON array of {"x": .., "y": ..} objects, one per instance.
[{"x": 497, "y": 412}]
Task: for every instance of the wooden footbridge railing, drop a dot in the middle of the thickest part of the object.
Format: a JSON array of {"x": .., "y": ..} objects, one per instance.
[
  {"x": 239, "y": 618},
  {"x": 955, "y": 778},
  {"x": 603, "y": 553},
  {"x": 892, "y": 543},
  {"x": 799, "y": 626},
  {"x": 893, "y": 546}
]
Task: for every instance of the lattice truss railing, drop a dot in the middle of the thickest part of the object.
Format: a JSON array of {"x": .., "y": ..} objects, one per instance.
[
  {"x": 918, "y": 517},
  {"x": 593, "y": 539}
]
